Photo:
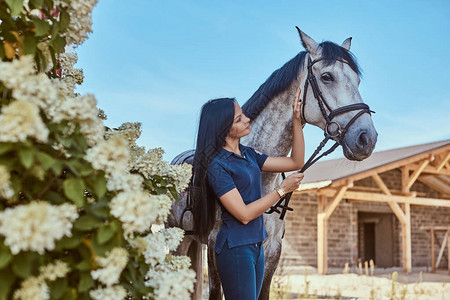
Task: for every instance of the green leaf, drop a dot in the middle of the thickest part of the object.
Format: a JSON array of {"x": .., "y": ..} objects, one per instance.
[
  {"x": 26, "y": 157},
  {"x": 5, "y": 256},
  {"x": 54, "y": 197},
  {"x": 100, "y": 209},
  {"x": 2, "y": 51},
  {"x": 42, "y": 26},
  {"x": 108, "y": 246},
  {"x": 86, "y": 282},
  {"x": 57, "y": 287},
  {"x": 45, "y": 160},
  {"x": 81, "y": 168},
  {"x": 86, "y": 223},
  {"x": 64, "y": 18},
  {"x": 74, "y": 190},
  {"x": 58, "y": 44},
  {"x": 15, "y": 6},
  {"x": 21, "y": 265},
  {"x": 70, "y": 294},
  {"x": 85, "y": 265},
  {"x": 5, "y": 147},
  {"x": 106, "y": 232},
  {"x": 55, "y": 31},
  {"x": 69, "y": 242},
  {"x": 29, "y": 45},
  {"x": 36, "y": 3},
  {"x": 57, "y": 167},
  {"x": 99, "y": 185},
  {"x": 174, "y": 193},
  {"x": 6, "y": 281}
]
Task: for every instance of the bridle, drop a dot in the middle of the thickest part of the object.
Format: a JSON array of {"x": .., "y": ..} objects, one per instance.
[{"x": 338, "y": 136}]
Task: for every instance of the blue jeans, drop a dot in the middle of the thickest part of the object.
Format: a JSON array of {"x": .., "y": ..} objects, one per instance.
[{"x": 241, "y": 270}]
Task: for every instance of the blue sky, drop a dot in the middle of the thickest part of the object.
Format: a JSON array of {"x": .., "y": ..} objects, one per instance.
[{"x": 157, "y": 62}]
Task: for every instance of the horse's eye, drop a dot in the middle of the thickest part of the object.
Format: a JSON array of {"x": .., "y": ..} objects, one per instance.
[{"x": 327, "y": 77}]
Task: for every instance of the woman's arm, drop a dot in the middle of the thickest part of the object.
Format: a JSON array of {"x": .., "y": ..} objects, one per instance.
[
  {"x": 244, "y": 213},
  {"x": 297, "y": 158}
]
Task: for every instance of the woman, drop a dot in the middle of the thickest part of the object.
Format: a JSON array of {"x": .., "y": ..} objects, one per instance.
[{"x": 231, "y": 172}]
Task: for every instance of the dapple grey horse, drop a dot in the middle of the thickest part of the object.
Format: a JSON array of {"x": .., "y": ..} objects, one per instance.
[{"x": 270, "y": 110}]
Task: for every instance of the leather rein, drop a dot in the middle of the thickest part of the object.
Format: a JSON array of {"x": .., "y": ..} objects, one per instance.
[{"x": 338, "y": 136}]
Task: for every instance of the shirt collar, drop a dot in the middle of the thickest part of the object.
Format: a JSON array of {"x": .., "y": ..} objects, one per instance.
[{"x": 225, "y": 153}]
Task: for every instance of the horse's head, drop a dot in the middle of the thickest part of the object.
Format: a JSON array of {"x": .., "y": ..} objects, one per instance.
[{"x": 336, "y": 79}]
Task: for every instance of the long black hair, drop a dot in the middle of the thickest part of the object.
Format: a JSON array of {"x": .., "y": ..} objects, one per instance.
[{"x": 216, "y": 119}]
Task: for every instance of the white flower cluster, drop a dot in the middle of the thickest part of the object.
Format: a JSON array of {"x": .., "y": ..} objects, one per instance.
[
  {"x": 19, "y": 76},
  {"x": 36, "y": 226},
  {"x": 110, "y": 156},
  {"x": 155, "y": 246},
  {"x": 82, "y": 110},
  {"x": 115, "y": 292},
  {"x": 32, "y": 289},
  {"x": 151, "y": 163},
  {"x": 171, "y": 279},
  {"x": 125, "y": 182},
  {"x": 5, "y": 186},
  {"x": 80, "y": 12},
  {"x": 20, "y": 120},
  {"x": 155, "y": 249},
  {"x": 130, "y": 131},
  {"x": 35, "y": 288},
  {"x": 53, "y": 271},
  {"x": 70, "y": 76},
  {"x": 111, "y": 267},
  {"x": 172, "y": 237},
  {"x": 137, "y": 210}
]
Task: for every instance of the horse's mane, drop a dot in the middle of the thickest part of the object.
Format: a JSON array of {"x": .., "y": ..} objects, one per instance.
[{"x": 282, "y": 78}]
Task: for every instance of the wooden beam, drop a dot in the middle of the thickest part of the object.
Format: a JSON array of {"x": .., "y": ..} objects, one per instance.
[
  {"x": 441, "y": 251},
  {"x": 322, "y": 245},
  {"x": 393, "y": 165},
  {"x": 448, "y": 250},
  {"x": 394, "y": 206},
  {"x": 443, "y": 162},
  {"x": 416, "y": 174},
  {"x": 435, "y": 183},
  {"x": 430, "y": 170},
  {"x": 376, "y": 197},
  {"x": 381, "y": 184},
  {"x": 334, "y": 203},
  {"x": 406, "y": 240},
  {"x": 436, "y": 228},
  {"x": 433, "y": 265},
  {"x": 405, "y": 178}
]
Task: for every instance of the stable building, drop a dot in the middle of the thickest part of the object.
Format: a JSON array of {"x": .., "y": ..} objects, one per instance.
[{"x": 393, "y": 208}]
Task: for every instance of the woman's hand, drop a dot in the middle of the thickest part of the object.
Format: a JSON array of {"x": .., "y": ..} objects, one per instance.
[
  {"x": 296, "y": 106},
  {"x": 292, "y": 182}
]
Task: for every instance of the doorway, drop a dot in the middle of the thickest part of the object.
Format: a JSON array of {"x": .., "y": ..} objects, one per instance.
[{"x": 376, "y": 238}]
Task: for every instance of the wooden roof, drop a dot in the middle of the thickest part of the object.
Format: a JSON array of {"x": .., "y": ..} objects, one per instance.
[{"x": 340, "y": 169}]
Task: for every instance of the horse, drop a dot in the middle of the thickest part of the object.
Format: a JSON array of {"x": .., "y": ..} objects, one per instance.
[{"x": 331, "y": 75}]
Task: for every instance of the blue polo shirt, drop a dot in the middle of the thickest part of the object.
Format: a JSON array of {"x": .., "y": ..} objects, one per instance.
[{"x": 227, "y": 171}]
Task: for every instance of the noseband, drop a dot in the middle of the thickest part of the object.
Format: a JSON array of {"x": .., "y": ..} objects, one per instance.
[{"x": 338, "y": 136}]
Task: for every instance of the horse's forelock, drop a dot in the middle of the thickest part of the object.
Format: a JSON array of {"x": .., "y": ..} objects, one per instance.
[{"x": 332, "y": 52}]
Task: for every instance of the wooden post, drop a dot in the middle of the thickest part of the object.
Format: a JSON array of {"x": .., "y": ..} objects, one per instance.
[
  {"x": 324, "y": 211},
  {"x": 433, "y": 267},
  {"x": 406, "y": 239},
  {"x": 322, "y": 236},
  {"x": 448, "y": 251}
]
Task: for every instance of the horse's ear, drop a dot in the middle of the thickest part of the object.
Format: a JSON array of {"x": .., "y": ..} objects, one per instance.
[
  {"x": 347, "y": 43},
  {"x": 310, "y": 45}
]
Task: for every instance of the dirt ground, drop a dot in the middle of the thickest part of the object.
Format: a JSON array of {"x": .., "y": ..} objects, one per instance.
[{"x": 307, "y": 284}]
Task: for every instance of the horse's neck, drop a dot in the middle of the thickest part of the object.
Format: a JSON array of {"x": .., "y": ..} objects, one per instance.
[{"x": 271, "y": 131}]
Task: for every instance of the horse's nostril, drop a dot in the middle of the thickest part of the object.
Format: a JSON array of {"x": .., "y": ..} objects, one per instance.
[{"x": 362, "y": 140}]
